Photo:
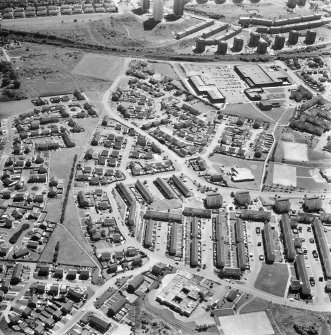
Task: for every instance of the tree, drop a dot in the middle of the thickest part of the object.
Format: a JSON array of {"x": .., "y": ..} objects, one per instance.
[{"x": 257, "y": 154}]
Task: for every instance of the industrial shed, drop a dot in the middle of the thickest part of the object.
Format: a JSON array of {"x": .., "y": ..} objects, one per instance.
[
  {"x": 199, "y": 212},
  {"x": 312, "y": 204},
  {"x": 323, "y": 247},
  {"x": 220, "y": 254},
  {"x": 163, "y": 216},
  {"x": 164, "y": 188},
  {"x": 288, "y": 237},
  {"x": 194, "y": 253},
  {"x": 282, "y": 205},
  {"x": 301, "y": 272},
  {"x": 148, "y": 239},
  {"x": 146, "y": 194},
  {"x": 173, "y": 239},
  {"x": 269, "y": 248},
  {"x": 214, "y": 201},
  {"x": 249, "y": 214},
  {"x": 181, "y": 187},
  {"x": 241, "y": 256}
]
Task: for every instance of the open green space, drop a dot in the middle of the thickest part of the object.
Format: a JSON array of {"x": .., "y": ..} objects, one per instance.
[
  {"x": 247, "y": 110},
  {"x": 69, "y": 251},
  {"x": 272, "y": 279}
]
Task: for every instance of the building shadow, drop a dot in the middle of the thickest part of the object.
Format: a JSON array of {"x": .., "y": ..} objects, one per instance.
[
  {"x": 138, "y": 11},
  {"x": 172, "y": 17},
  {"x": 150, "y": 24}
]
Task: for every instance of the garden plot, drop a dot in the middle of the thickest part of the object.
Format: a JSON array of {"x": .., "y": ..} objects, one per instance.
[{"x": 285, "y": 175}]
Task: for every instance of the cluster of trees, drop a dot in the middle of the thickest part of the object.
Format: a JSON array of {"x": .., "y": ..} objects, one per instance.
[
  {"x": 14, "y": 238},
  {"x": 56, "y": 253},
  {"x": 306, "y": 127},
  {"x": 65, "y": 201},
  {"x": 9, "y": 76},
  {"x": 305, "y": 330}
]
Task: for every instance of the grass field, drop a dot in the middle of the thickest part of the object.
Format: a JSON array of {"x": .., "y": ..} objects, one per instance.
[
  {"x": 165, "y": 69},
  {"x": 53, "y": 208},
  {"x": 61, "y": 163},
  {"x": 256, "y": 305},
  {"x": 272, "y": 279},
  {"x": 69, "y": 252},
  {"x": 286, "y": 317},
  {"x": 97, "y": 66},
  {"x": 14, "y": 107},
  {"x": 72, "y": 223},
  {"x": 45, "y": 69}
]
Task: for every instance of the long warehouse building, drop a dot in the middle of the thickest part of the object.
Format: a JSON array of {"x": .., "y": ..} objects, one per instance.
[
  {"x": 183, "y": 189},
  {"x": 164, "y": 188},
  {"x": 302, "y": 275},
  {"x": 173, "y": 239},
  {"x": 288, "y": 237},
  {"x": 218, "y": 227},
  {"x": 269, "y": 248},
  {"x": 146, "y": 194},
  {"x": 194, "y": 253},
  {"x": 241, "y": 256},
  {"x": 239, "y": 229},
  {"x": 220, "y": 254},
  {"x": 125, "y": 193},
  {"x": 199, "y": 212},
  {"x": 195, "y": 228},
  {"x": 148, "y": 239},
  {"x": 163, "y": 216},
  {"x": 323, "y": 248}
]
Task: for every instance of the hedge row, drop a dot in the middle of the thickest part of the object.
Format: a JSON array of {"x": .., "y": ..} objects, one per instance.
[{"x": 65, "y": 201}]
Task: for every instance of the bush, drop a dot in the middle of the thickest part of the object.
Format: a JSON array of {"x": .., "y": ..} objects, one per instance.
[
  {"x": 257, "y": 154},
  {"x": 17, "y": 235}
]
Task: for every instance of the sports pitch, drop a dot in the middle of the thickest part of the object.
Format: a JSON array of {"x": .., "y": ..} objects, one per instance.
[
  {"x": 295, "y": 152},
  {"x": 284, "y": 175},
  {"x": 99, "y": 66},
  {"x": 256, "y": 323}
]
